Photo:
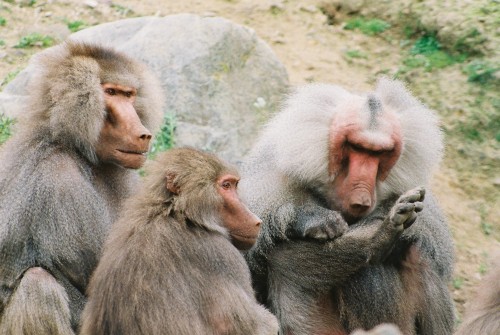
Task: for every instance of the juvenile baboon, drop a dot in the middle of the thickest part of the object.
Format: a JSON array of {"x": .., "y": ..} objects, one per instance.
[
  {"x": 332, "y": 162},
  {"x": 63, "y": 177},
  {"x": 482, "y": 315},
  {"x": 171, "y": 263}
]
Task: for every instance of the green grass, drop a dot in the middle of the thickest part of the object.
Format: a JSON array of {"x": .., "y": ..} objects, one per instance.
[
  {"x": 355, "y": 54},
  {"x": 427, "y": 44},
  {"x": 75, "y": 26},
  {"x": 486, "y": 228},
  {"x": 428, "y": 49},
  {"x": 3, "y": 21},
  {"x": 11, "y": 75},
  {"x": 164, "y": 139},
  {"x": 5, "y": 127},
  {"x": 480, "y": 71},
  {"x": 483, "y": 268},
  {"x": 122, "y": 10},
  {"x": 482, "y": 121},
  {"x": 33, "y": 40},
  {"x": 368, "y": 27},
  {"x": 427, "y": 53},
  {"x": 275, "y": 9},
  {"x": 458, "y": 282}
]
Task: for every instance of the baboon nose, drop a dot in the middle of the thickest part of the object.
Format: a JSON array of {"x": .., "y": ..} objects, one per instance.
[
  {"x": 145, "y": 136},
  {"x": 359, "y": 208},
  {"x": 360, "y": 204},
  {"x": 258, "y": 223}
]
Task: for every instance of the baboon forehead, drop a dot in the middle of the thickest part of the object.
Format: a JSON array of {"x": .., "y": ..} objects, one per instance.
[
  {"x": 190, "y": 161},
  {"x": 125, "y": 78}
]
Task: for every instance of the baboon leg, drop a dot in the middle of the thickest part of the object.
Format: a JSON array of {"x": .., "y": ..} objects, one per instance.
[
  {"x": 39, "y": 306},
  {"x": 301, "y": 311},
  {"x": 436, "y": 312}
]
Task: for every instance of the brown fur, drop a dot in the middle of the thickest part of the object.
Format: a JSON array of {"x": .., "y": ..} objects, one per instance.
[
  {"x": 57, "y": 196},
  {"x": 169, "y": 266}
]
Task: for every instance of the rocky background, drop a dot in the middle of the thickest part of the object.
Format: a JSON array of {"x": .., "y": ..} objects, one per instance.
[{"x": 225, "y": 67}]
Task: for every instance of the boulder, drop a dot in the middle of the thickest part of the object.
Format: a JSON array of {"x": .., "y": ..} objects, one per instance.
[{"x": 220, "y": 80}]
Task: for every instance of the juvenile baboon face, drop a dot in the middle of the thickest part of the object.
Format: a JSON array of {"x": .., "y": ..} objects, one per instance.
[
  {"x": 123, "y": 139},
  {"x": 242, "y": 224}
]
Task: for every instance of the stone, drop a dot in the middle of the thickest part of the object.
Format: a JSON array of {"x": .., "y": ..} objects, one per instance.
[{"x": 220, "y": 80}]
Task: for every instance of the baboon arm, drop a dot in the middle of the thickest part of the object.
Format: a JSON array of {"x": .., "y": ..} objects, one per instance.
[
  {"x": 384, "y": 286},
  {"x": 340, "y": 257},
  {"x": 312, "y": 221},
  {"x": 71, "y": 205},
  {"x": 48, "y": 214}
]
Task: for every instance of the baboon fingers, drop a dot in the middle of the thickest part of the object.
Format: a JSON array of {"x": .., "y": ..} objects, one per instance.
[
  {"x": 405, "y": 208},
  {"x": 416, "y": 194},
  {"x": 419, "y": 206}
]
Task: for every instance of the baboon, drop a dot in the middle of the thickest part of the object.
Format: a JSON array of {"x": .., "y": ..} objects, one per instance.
[
  {"x": 330, "y": 163},
  {"x": 171, "y": 263},
  {"x": 482, "y": 315},
  {"x": 63, "y": 177}
]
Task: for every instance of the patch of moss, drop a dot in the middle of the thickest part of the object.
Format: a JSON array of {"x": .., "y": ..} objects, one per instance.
[
  {"x": 367, "y": 26},
  {"x": 164, "y": 139},
  {"x": 33, "y": 40},
  {"x": 6, "y": 124}
]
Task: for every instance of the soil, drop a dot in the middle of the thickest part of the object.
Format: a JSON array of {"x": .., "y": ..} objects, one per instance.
[{"x": 311, "y": 50}]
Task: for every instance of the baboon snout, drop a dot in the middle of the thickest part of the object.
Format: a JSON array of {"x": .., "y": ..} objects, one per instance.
[
  {"x": 141, "y": 133},
  {"x": 360, "y": 203},
  {"x": 146, "y": 135}
]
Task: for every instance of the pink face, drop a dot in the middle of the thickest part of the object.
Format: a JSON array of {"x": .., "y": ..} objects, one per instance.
[
  {"x": 242, "y": 224},
  {"x": 361, "y": 156},
  {"x": 124, "y": 140}
]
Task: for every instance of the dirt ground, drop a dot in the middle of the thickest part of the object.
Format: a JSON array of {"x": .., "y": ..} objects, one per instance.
[{"x": 311, "y": 50}]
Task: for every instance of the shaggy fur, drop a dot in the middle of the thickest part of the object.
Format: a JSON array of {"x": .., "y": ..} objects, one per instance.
[
  {"x": 57, "y": 199},
  {"x": 169, "y": 266},
  {"x": 285, "y": 181}
]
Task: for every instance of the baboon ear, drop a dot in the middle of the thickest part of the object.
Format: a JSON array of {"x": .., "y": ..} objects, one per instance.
[{"x": 170, "y": 183}]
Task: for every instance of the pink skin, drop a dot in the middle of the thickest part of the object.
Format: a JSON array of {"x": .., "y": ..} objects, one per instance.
[
  {"x": 123, "y": 140},
  {"x": 242, "y": 224},
  {"x": 359, "y": 158}
]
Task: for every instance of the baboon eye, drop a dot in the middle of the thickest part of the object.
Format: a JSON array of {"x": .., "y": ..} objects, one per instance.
[
  {"x": 226, "y": 185},
  {"x": 110, "y": 91},
  {"x": 128, "y": 94}
]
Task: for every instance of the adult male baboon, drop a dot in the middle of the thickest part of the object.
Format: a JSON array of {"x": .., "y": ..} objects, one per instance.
[
  {"x": 482, "y": 315},
  {"x": 63, "y": 177},
  {"x": 333, "y": 161},
  {"x": 170, "y": 265}
]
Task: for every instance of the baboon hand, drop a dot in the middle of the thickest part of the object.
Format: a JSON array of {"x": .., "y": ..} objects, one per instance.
[
  {"x": 322, "y": 224},
  {"x": 404, "y": 212}
]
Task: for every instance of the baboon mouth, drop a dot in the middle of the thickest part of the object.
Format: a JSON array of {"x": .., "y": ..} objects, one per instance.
[
  {"x": 243, "y": 242},
  {"x": 132, "y": 152},
  {"x": 246, "y": 238}
]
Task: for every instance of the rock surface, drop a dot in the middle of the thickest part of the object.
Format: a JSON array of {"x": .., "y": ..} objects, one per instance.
[{"x": 220, "y": 80}]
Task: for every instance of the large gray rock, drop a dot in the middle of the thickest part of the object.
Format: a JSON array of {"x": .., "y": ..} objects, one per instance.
[{"x": 220, "y": 80}]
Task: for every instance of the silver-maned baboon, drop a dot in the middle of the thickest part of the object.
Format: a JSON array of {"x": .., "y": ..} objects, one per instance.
[
  {"x": 63, "y": 177},
  {"x": 482, "y": 315},
  {"x": 330, "y": 163},
  {"x": 171, "y": 263}
]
